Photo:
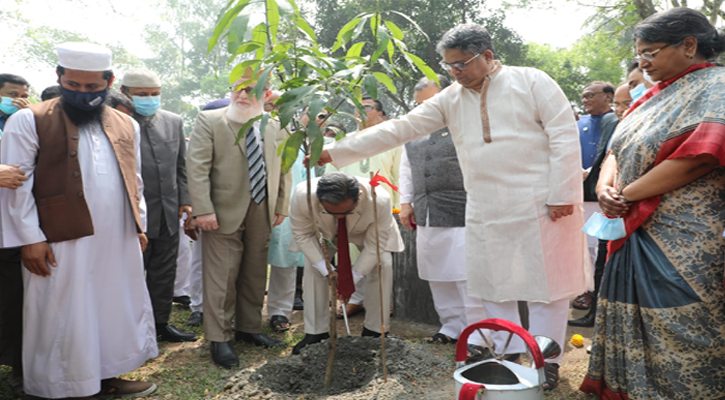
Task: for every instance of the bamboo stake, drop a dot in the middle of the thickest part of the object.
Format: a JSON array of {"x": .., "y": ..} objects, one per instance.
[
  {"x": 380, "y": 280},
  {"x": 331, "y": 279}
]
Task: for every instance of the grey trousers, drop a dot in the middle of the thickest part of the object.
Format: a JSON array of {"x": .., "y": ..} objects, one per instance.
[
  {"x": 160, "y": 263},
  {"x": 234, "y": 271}
]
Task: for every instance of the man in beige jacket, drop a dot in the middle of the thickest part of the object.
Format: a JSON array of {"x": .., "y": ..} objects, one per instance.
[
  {"x": 238, "y": 193},
  {"x": 339, "y": 196}
]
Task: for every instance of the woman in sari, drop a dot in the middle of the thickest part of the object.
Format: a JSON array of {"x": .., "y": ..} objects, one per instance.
[{"x": 660, "y": 322}]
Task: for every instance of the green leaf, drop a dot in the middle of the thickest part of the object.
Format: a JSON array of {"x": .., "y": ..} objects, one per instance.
[
  {"x": 291, "y": 149},
  {"x": 317, "y": 142},
  {"x": 386, "y": 65},
  {"x": 263, "y": 124},
  {"x": 415, "y": 24},
  {"x": 383, "y": 40},
  {"x": 238, "y": 70},
  {"x": 347, "y": 28},
  {"x": 259, "y": 35},
  {"x": 224, "y": 22},
  {"x": 248, "y": 47},
  {"x": 243, "y": 130},
  {"x": 371, "y": 86},
  {"x": 303, "y": 26},
  {"x": 258, "y": 92},
  {"x": 385, "y": 80},
  {"x": 422, "y": 67},
  {"x": 272, "y": 18},
  {"x": 355, "y": 50},
  {"x": 237, "y": 32},
  {"x": 397, "y": 33}
]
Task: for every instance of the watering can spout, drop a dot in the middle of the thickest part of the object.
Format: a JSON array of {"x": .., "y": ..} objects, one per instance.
[{"x": 548, "y": 346}]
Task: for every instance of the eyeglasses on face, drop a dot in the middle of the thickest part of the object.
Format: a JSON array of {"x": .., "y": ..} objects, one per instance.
[
  {"x": 650, "y": 55},
  {"x": 321, "y": 116},
  {"x": 368, "y": 108},
  {"x": 590, "y": 95},
  {"x": 457, "y": 65},
  {"x": 238, "y": 89}
]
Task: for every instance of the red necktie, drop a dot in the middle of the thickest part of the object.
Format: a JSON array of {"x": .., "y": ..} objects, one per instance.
[{"x": 345, "y": 284}]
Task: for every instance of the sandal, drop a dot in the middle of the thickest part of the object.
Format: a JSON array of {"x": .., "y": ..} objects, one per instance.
[
  {"x": 440, "y": 338},
  {"x": 476, "y": 354},
  {"x": 279, "y": 323},
  {"x": 552, "y": 376}
]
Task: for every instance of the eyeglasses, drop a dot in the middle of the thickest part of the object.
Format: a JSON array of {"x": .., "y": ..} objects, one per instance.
[
  {"x": 590, "y": 95},
  {"x": 368, "y": 107},
  {"x": 321, "y": 116},
  {"x": 457, "y": 65},
  {"x": 650, "y": 55},
  {"x": 247, "y": 89},
  {"x": 348, "y": 212}
]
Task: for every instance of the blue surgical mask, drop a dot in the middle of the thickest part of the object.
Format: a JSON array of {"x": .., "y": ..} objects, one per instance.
[
  {"x": 84, "y": 100},
  {"x": 637, "y": 92},
  {"x": 6, "y": 105},
  {"x": 602, "y": 227},
  {"x": 146, "y": 105}
]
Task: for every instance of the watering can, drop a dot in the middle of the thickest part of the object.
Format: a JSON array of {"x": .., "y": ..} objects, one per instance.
[{"x": 496, "y": 378}]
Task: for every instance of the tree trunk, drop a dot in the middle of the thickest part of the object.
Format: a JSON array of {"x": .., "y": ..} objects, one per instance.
[{"x": 645, "y": 8}]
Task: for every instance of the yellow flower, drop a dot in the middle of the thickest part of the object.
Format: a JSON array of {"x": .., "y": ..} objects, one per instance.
[
  {"x": 396, "y": 211},
  {"x": 577, "y": 340}
]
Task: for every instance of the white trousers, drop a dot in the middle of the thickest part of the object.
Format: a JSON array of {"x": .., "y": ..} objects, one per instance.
[
  {"x": 196, "y": 288},
  {"x": 317, "y": 298},
  {"x": 359, "y": 296},
  {"x": 281, "y": 290},
  {"x": 456, "y": 310},
  {"x": 544, "y": 319},
  {"x": 182, "y": 284}
]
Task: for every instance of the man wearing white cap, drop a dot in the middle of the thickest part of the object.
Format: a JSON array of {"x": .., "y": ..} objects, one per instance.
[
  {"x": 79, "y": 220},
  {"x": 163, "y": 154}
]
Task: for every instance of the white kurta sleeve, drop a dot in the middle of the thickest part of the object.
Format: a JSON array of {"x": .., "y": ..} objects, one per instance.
[
  {"x": 421, "y": 121},
  {"x": 557, "y": 119},
  {"x": 20, "y": 223},
  {"x": 139, "y": 177},
  {"x": 406, "y": 179}
]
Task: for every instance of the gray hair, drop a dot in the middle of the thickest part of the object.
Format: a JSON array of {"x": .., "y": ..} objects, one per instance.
[
  {"x": 472, "y": 38},
  {"x": 337, "y": 187},
  {"x": 424, "y": 82}
]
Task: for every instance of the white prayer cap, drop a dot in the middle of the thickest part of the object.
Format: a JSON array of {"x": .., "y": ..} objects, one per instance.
[
  {"x": 141, "y": 78},
  {"x": 84, "y": 56}
]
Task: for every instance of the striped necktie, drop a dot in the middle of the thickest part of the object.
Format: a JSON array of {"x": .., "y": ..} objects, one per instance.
[{"x": 257, "y": 173}]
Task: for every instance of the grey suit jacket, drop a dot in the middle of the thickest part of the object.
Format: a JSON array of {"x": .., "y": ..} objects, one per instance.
[
  {"x": 163, "y": 167},
  {"x": 219, "y": 170}
]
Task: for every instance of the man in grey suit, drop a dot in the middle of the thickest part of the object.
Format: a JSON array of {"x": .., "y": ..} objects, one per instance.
[
  {"x": 239, "y": 193},
  {"x": 163, "y": 166}
]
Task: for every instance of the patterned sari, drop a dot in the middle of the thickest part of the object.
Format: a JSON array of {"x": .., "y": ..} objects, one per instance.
[{"x": 660, "y": 324}]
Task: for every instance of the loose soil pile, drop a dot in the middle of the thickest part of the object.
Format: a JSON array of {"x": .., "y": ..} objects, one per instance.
[{"x": 357, "y": 373}]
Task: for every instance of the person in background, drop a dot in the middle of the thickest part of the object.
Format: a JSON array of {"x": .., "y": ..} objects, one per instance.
[
  {"x": 433, "y": 202},
  {"x": 622, "y": 100},
  {"x": 13, "y": 96},
  {"x": 50, "y": 93}
]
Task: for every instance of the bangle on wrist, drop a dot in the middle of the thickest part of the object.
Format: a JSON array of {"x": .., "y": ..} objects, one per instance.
[{"x": 621, "y": 196}]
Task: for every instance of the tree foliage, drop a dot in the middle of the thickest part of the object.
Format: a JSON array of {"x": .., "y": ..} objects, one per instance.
[{"x": 436, "y": 16}]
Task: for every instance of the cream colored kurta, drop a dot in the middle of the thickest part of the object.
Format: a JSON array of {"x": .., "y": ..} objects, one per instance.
[{"x": 514, "y": 250}]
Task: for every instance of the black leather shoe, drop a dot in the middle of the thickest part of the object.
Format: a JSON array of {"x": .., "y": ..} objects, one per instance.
[
  {"x": 195, "y": 319},
  {"x": 258, "y": 339},
  {"x": 309, "y": 339},
  {"x": 170, "y": 333},
  {"x": 183, "y": 300},
  {"x": 224, "y": 355},
  {"x": 368, "y": 333},
  {"x": 299, "y": 304},
  {"x": 586, "y": 321}
]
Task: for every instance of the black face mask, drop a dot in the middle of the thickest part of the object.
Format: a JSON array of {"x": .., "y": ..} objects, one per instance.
[
  {"x": 84, "y": 100},
  {"x": 80, "y": 116}
]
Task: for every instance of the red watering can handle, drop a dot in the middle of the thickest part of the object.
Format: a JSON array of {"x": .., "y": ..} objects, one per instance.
[
  {"x": 469, "y": 391},
  {"x": 496, "y": 324}
]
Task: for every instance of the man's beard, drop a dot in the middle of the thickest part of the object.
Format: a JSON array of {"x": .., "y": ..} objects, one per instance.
[
  {"x": 79, "y": 116},
  {"x": 240, "y": 113}
]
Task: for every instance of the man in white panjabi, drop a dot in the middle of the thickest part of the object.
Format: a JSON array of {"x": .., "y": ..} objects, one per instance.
[
  {"x": 518, "y": 146},
  {"x": 79, "y": 220}
]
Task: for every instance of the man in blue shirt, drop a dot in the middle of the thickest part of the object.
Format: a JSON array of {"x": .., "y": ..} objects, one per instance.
[
  {"x": 596, "y": 98},
  {"x": 13, "y": 96}
]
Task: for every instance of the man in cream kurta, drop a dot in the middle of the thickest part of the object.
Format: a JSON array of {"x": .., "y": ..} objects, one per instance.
[{"x": 518, "y": 147}]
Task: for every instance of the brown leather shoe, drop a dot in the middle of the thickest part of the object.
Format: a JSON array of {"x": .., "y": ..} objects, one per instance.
[
  {"x": 583, "y": 301},
  {"x": 117, "y": 388}
]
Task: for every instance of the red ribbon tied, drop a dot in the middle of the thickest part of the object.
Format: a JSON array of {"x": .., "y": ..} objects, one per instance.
[{"x": 377, "y": 179}]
